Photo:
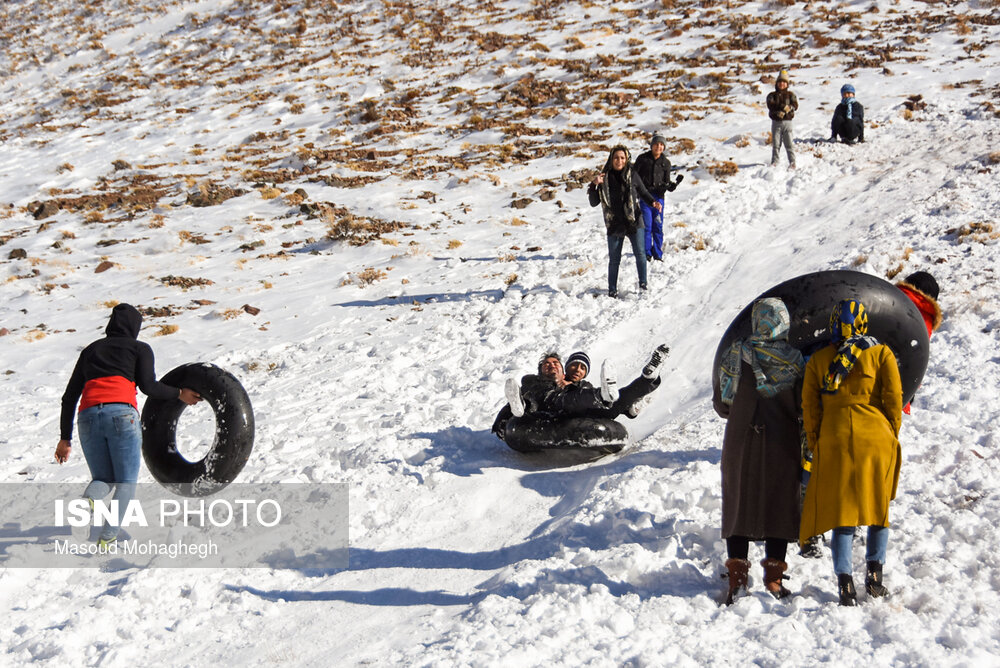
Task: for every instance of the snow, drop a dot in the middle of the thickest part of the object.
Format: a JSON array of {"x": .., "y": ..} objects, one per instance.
[{"x": 462, "y": 551}]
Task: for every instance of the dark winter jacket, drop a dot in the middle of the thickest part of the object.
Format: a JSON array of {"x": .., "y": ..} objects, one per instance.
[
  {"x": 584, "y": 399},
  {"x": 848, "y": 128},
  {"x": 761, "y": 453},
  {"x": 654, "y": 173},
  {"x": 109, "y": 369},
  {"x": 781, "y": 105},
  {"x": 618, "y": 197}
]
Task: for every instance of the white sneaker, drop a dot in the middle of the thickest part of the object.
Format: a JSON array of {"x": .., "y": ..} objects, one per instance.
[
  {"x": 609, "y": 386},
  {"x": 659, "y": 356},
  {"x": 82, "y": 534},
  {"x": 512, "y": 390}
]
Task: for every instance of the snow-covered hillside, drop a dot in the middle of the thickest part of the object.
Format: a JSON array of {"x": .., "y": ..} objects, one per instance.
[{"x": 373, "y": 212}]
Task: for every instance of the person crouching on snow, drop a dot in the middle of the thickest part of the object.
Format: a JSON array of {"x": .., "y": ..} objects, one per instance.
[
  {"x": 617, "y": 189},
  {"x": 848, "y": 118}
]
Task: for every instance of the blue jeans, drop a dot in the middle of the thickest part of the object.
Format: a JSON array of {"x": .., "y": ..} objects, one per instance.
[
  {"x": 615, "y": 245},
  {"x": 653, "y": 220},
  {"x": 112, "y": 439},
  {"x": 843, "y": 537}
]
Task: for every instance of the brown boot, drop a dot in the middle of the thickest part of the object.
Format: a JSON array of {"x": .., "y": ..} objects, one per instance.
[
  {"x": 774, "y": 573},
  {"x": 739, "y": 570}
]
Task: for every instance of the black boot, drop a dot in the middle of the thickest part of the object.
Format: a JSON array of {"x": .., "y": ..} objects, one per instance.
[
  {"x": 848, "y": 595},
  {"x": 810, "y": 548},
  {"x": 873, "y": 582}
]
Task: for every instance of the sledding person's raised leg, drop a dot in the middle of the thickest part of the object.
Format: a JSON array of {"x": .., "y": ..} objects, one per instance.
[
  {"x": 512, "y": 391},
  {"x": 609, "y": 385}
]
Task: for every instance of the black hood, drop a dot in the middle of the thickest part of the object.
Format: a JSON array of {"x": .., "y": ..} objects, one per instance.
[{"x": 125, "y": 321}]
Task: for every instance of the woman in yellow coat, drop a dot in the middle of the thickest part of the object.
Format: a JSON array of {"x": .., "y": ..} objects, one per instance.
[{"x": 852, "y": 404}]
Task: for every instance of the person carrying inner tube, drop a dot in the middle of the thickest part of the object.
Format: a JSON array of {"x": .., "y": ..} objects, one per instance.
[
  {"x": 852, "y": 404},
  {"x": 104, "y": 382},
  {"x": 921, "y": 289}
]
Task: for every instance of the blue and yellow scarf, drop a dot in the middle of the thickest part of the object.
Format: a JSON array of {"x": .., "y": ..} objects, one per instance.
[{"x": 848, "y": 327}]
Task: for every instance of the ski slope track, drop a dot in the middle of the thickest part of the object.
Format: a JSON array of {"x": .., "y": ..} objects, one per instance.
[{"x": 406, "y": 225}]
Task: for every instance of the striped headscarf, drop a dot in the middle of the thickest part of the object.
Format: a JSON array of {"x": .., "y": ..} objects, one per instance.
[
  {"x": 776, "y": 364},
  {"x": 848, "y": 327}
]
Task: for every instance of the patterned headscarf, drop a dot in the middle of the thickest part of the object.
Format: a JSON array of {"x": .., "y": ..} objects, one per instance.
[
  {"x": 776, "y": 364},
  {"x": 604, "y": 190},
  {"x": 848, "y": 327}
]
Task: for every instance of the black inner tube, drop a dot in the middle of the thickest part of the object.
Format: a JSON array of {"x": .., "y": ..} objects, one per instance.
[{"x": 234, "y": 432}]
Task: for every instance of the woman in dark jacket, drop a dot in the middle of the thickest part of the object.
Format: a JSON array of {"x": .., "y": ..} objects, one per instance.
[
  {"x": 759, "y": 389},
  {"x": 104, "y": 382},
  {"x": 617, "y": 190}
]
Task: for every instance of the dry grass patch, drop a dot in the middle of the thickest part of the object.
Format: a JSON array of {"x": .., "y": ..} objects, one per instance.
[
  {"x": 720, "y": 170},
  {"x": 365, "y": 277},
  {"x": 974, "y": 232},
  {"x": 166, "y": 330}
]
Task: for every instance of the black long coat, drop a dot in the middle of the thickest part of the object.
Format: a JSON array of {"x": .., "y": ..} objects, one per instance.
[{"x": 761, "y": 455}]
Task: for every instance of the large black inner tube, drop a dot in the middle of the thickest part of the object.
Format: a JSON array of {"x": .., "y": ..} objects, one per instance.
[
  {"x": 234, "y": 432},
  {"x": 892, "y": 319},
  {"x": 533, "y": 434}
]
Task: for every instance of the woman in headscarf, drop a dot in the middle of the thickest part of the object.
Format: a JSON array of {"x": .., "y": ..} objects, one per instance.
[
  {"x": 759, "y": 389},
  {"x": 617, "y": 190},
  {"x": 852, "y": 404}
]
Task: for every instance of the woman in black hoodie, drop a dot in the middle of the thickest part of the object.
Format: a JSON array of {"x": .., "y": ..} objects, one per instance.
[
  {"x": 617, "y": 189},
  {"x": 104, "y": 381}
]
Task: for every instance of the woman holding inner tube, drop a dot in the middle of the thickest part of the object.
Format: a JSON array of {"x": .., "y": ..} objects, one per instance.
[
  {"x": 852, "y": 403},
  {"x": 104, "y": 382}
]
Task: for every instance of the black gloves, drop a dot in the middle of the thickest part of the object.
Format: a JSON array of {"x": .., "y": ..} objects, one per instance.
[{"x": 673, "y": 186}]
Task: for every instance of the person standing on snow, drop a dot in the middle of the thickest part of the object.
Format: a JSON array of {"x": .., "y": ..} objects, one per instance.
[
  {"x": 618, "y": 190},
  {"x": 104, "y": 382},
  {"x": 852, "y": 404},
  {"x": 781, "y": 106},
  {"x": 760, "y": 381},
  {"x": 653, "y": 168},
  {"x": 848, "y": 118}
]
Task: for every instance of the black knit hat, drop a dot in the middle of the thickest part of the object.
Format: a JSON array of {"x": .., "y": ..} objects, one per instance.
[
  {"x": 924, "y": 282},
  {"x": 581, "y": 357}
]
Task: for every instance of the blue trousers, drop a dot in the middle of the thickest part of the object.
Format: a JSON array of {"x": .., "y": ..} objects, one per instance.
[
  {"x": 111, "y": 436},
  {"x": 653, "y": 220},
  {"x": 615, "y": 245},
  {"x": 843, "y": 537}
]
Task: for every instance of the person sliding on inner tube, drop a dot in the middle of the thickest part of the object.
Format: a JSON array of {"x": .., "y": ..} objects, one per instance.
[
  {"x": 566, "y": 394},
  {"x": 533, "y": 390},
  {"x": 104, "y": 381}
]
